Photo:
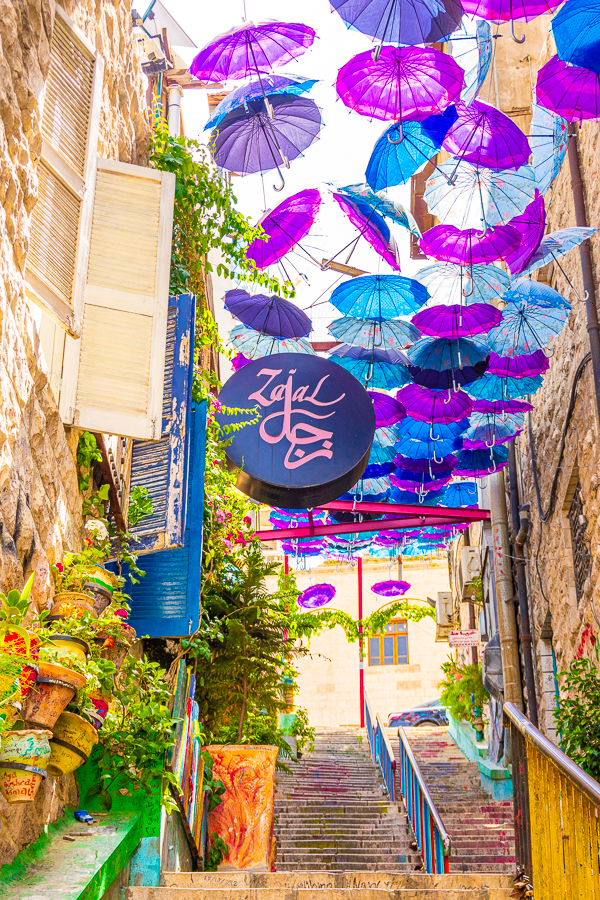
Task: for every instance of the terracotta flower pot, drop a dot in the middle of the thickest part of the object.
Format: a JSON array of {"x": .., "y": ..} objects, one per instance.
[
  {"x": 69, "y": 647},
  {"x": 54, "y": 689},
  {"x": 15, "y": 645},
  {"x": 97, "y": 575},
  {"x": 102, "y": 596},
  {"x": 72, "y": 742},
  {"x": 71, "y": 605},
  {"x": 29, "y": 746},
  {"x": 19, "y": 783}
]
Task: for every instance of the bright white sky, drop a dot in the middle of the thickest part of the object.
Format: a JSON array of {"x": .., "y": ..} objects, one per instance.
[{"x": 339, "y": 156}]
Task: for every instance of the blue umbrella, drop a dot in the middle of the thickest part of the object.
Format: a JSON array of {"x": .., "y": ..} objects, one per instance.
[
  {"x": 526, "y": 328},
  {"x": 536, "y": 293},
  {"x": 441, "y": 354},
  {"x": 377, "y": 487},
  {"x": 473, "y": 53},
  {"x": 555, "y": 245},
  {"x": 449, "y": 283},
  {"x": 270, "y": 315},
  {"x": 254, "y": 345},
  {"x": 404, "y": 150},
  {"x": 490, "y": 434},
  {"x": 576, "y": 31},
  {"x": 378, "y": 470},
  {"x": 447, "y": 379},
  {"x": 401, "y": 21},
  {"x": 383, "y": 448},
  {"x": 461, "y": 493},
  {"x": 379, "y": 296},
  {"x": 380, "y": 203},
  {"x": 376, "y": 368},
  {"x": 268, "y": 85},
  {"x": 412, "y": 429},
  {"x": 368, "y": 333},
  {"x": 481, "y": 462},
  {"x": 429, "y": 449},
  {"x": 548, "y": 141},
  {"x": 493, "y": 387}
]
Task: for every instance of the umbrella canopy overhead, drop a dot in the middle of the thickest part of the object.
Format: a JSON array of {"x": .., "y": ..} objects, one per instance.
[
  {"x": 287, "y": 224},
  {"x": 479, "y": 463},
  {"x": 316, "y": 596},
  {"x": 441, "y": 353},
  {"x": 379, "y": 296},
  {"x": 536, "y": 293},
  {"x": 411, "y": 429},
  {"x": 255, "y": 345},
  {"x": 388, "y": 411},
  {"x": 501, "y": 407},
  {"x": 403, "y": 150},
  {"x": 455, "y": 321},
  {"x": 531, "y": 225},
  {"x": 434, "y": 406},
  {"x": 370, "y": 370},
  {"x": 268, "y": 85},
  {"x": 469, "y": 247},
  {"x": 576, "y": 32},
  {"x": 555, "y": 245},
  {"x": 490, "y": 434},
  {"x": 391, "y": 588},
  {"x": 494, "y": 387},
  {"x": 568, "y": 91},
  {"x": 251, "y": 48},
  {"x": 528, "y": 365},
  {"x": 462, "y": 494},
  {"x": 452, "y": 284},
  {"x": 401, "y": 21},
  {"x": 268, "y": 315},
  {"x": 507, "y": 10},
  {"x": 371, "y": 226},
  {"x": 447, "y": 379},
  {"x": 526, "y": 328},
  {"x": 376, "y": 333},
  {"x": 429, "y": 449},
  {"x": 403, "y": 83},
  {"x": 381, "y": 204},
  {"x": 486, "y": 137},
  {"x": 548, "y": 139}
]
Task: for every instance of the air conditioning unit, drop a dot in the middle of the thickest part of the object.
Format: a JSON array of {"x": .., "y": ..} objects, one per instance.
[
  {"x": 443, "y": 615},
  {"x": 468, "y": 569}
]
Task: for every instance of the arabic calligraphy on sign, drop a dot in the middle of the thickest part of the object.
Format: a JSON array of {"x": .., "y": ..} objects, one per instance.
[{"x": 297, "y": 432}]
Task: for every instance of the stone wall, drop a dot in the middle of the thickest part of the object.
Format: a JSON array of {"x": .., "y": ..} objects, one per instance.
[{"x": 40, "y": 505}]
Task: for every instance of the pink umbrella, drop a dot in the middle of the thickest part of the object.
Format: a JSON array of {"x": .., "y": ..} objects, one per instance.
[
  {"x": 484, "y": 136},
  {"x": 287, "y": 224},
  {"x": 391, "y": 588},
  {"x": 528, "y": 365},
  {"x": 372, "y": 227},
  {"x": 569, "y": 91},
  {"x": 469, "y": 247},
  {"x": 401, "y": 83},
  {"x": 434, "y": 406},
  {"x": 509, "y": 10},
  {"x": 531, "y": 226},
  {"x": 457, "y": 321}
]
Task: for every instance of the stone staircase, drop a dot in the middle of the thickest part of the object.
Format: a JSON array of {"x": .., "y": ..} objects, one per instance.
[{"x": 481, "y": 829}]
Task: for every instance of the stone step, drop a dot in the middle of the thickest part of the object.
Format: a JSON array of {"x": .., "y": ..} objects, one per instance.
[{"x": 322, "y": 880}]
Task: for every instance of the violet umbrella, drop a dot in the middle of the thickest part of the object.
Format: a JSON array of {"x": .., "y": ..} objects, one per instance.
[
  {"x": 388, "y": 410},
  {"x": 401, "y": 21},
  {"x": 443, "y": 364},
  {"x": 509, "y": 10},
  {"x": 447, "y": 379},
  {"x": 402, "y": 83},
  {"x": 253, "y": 47},
  {"x": 456, "y": 321},
  {"x": 372, "y": 227},
  {"x": 568, "y": 91},
  {"x": 434, "y": 406},
  {"x": 268, "y": 85},
  {"x": 316, "y": 596},
  {"x": 531, "y": 225},
  {"x": 485, "y": 136},
  {"x": 269, "y": 315},
  {"x": 285, "y": 226},
  {"x": 469, "y": 247},
  {"x": 419, "y": 483},
  {"x": 391, "y": 588},
  {"x": 528, "y": 365},
  {"x": 432, "y": 467},
  {"x": 502, "y": 407},
  {"x": 382, "y": 204},
  {"x": 238, "y": 361}
]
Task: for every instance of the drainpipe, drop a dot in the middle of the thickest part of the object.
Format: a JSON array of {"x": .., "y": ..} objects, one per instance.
[
  {"x": 585, "y": 255},
  {"x": 520, "y": 527},
  {"x": 507, "y": 624},
  {"x": 175, "y": 93}
]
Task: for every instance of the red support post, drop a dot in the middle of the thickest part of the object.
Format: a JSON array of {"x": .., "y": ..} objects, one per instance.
[
  {"x": 360, "y": 646},
  {"x": 286, "y": 564}
]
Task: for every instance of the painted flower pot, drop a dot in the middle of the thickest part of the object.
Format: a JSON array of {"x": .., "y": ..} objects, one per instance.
[
  {"x": 97, "y": 575},
  {"x": 72, "y": 742},
  {"x": 72, "y": 605},
  {"x": 69, "y": 648},
  {"x": 15, "y": 645},
  {"x": 54, "y": 689},
  {"x": 101, "y": 704},
  {"x": 19, "y": 783},
  {"x": 30, "y": 746},
  {"x": 102, "y": 596}
]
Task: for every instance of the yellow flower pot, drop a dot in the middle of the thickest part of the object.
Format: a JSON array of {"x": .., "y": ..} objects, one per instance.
[{"x": 72, "y": 742}]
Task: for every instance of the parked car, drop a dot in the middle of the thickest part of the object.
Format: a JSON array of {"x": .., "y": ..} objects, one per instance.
[{"x": 430, "y": 713}]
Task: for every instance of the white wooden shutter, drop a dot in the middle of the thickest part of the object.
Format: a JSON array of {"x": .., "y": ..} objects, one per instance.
[
  {"x": 113, "y": 375},
  {"x": 61, "y": 219}
]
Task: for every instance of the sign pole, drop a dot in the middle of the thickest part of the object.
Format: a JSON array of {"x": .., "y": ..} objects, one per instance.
[{"x": 361, "y": 670}]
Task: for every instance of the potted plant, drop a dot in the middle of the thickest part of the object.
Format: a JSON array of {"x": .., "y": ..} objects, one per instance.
[
  {"x": 73, "y": 738},
  {"x": 19, "y": 648},
  {"x": 55, "y": 687},
  {"x": 24, "y": 755}
]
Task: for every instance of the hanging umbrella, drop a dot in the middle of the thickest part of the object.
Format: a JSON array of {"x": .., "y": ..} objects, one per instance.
[
  {"x": 490, "y": 434},
  {"x": 378, "y": 470},
  {"x": 402, "y": 83},
  {"x": 466, "y": 248},
  {"x": 548, "y": 137},
  {"x": 379, "y": 296},
  {"x": 419, "y": 483},
  {"x": 316, "y": 596},
  {"x": 298, "y": 550},
  {"x": 486, "y": 137},
  {"x": 252, "y": 140},
  {"x": 393, "y": 334},
  {"x": 462, "y": 494},
  {"x": 401, "y": 21},
  {"x": 535, "y": 293},
  {"x": 430, "y": 467},
  {"x": 429, "y": 449},
  {"x": 238, "y": 361},
  {"x": 398, "y": 495},
  {"x": 509, "y": 10},
  {"x": 455, "y": 321},
  {"x": 576, "y": 32},
  {"x": 477, "y": 197},
  {"x": 287, "y": 224},
  {"x": 413, "y": 429},
  {"x": 267, "y": 86},
  {"x": 493, "y": 387},
  {"x": 269, "y": 315},
  {"x": 453, "y": 284},
  {"x": 441, "y": 353},
  {"x": 568, "y": 91},
  {"x": 434, "y": 406},
  {"x": 447, "y": 379},
  {"x": 253, "y": 47},
  {"x": 388, "y": 410},
  {"x": 255, "y": 345},
  {"x": 526, "y": 328},
  {"x": 502, "y": 407},
  {"x": 291, "y": 517},
  {"x": 403, "y": 150},
  {"x": 370, "y": 226},
  {"x": 531, "y": 225},
  {"x": 391, "y": 588},
  {"x": 383, "y": 448},
  {"x": 473, "y": 53},
  {"x": 376, "y": 368},
  {"x": 479, "y": 463},
  {"x": 555, "y": 245},
  {"x": 376, "y": 488},
  {"x": 529, "y": 365},
  {"x": 379, "y": 202}
]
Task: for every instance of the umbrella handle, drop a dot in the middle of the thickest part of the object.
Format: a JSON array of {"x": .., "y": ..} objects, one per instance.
[
  {"x": 435, "y": 459},
  {"x": 399, "y": 124},
  {"x": 548, "y": 352},
  {"x": 449, "y": 397},
  {"x": 278, "y": 189},
  {"x": 517, "y": 40},
  {"x": 377, "y": 52},
  {"x": 432, "y": 436},
  {"x": 471, "y": 292},
  {"x": 585, "y": 297}
]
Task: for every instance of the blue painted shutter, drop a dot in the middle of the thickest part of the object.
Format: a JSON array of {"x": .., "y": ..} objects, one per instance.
[
  {"x": 161, "y": 466},
  {"x": 166, "y": 602}
]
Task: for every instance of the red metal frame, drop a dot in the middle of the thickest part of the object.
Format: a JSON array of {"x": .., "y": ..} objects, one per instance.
[{"x": 405, "y": 516}]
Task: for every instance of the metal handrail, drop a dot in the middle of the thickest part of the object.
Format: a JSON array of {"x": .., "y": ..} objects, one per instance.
[
  {"x": 446, "y": 840},
  {"x": 386, "y": 739},
  {"x": 584, "y": 782}
]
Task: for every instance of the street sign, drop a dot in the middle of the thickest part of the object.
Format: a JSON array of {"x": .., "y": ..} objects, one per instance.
[{"x": 468, "y": 638}]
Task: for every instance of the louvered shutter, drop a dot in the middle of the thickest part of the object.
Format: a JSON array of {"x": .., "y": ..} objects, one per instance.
[
  {"x": 113, "y": 375},
  {"x": 166, "y": 602},
  {"x": 61, "y": 219},
  {"x": 162, "y": 466}
]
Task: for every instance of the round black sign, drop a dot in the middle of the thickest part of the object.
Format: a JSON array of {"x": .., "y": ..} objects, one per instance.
[{"x": 314, "y": 434}]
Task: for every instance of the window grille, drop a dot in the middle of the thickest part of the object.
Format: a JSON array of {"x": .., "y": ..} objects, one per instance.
[
  {"x": 391, "y": 647},
  {"x": 579, "y": 547}
]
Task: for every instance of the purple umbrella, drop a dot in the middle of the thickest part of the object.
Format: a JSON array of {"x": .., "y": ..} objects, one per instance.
[
  {"x": 447, "y": 379},
  {"x": 434, "y": 406},
  {"x": 402, "y": 83},
  {"x": 531, "y": 225},
  {"x": 419, "y": 484},
  {"x": 455, "y": 322},
  {"x": 426, "y": 466},
  {"x": 250, "y": 140},
  {"x": 269, "y": 315},
  {"x": 529, "y": 365},
  {"x": 401, "y": 21},
  {"x": 253, "y": 47},
  {"x": 316, "y": 595},
  {"x": 484, "y": 136},
  {"x": 501, "y": 407},
  {"x": 568, "y": 91},
  {"x": 298, "y": 548},
  {"x": 469, "y": 247},
  {"x": 505, "y": 10},
  {"x": 372, "y": 228},
  {"x": 287, "y": 224},
  {"x": 390, "y": 588},
  {"x": 388, "y": 411},
  {"x": 238, "y": 361}
]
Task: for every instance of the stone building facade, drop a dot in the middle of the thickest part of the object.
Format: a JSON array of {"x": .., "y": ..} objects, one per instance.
[{"x": 40, "y": 503}]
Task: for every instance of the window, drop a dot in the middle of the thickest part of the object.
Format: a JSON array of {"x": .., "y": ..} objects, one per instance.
[
  {"x": 579, "y": 547},
  {"x": 391, "y": 647}
]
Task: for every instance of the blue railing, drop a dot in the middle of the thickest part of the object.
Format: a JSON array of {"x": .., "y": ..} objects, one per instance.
[
  {"x": 427, "y": 826},
  {"x": 381, "y": 749}
]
